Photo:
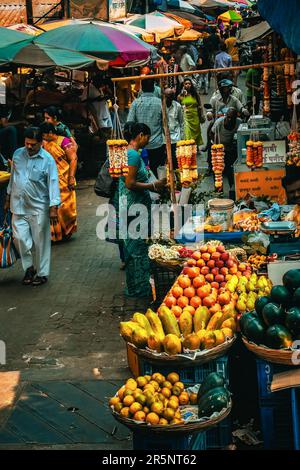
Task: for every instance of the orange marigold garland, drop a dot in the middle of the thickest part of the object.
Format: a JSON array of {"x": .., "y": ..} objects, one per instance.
[
  {"x": 218, "y": 164},
  {"x": 118, "y": 160},
  {"x": 186, "y": 154}
]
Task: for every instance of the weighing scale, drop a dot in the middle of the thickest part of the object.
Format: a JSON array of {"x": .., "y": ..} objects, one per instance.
[{"x": 282, "y": 237}]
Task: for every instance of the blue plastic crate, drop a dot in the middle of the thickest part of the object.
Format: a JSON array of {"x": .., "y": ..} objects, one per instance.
[
  {"x": 188, "y": 375},
  {"x": 167, "y": 441},
  {"x": 265, "y": 372},
  {"x": 276, "y": 425},
  {"x": 220, "y": 436}
]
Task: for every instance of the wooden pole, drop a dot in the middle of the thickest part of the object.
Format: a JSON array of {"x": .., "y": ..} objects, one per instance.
[
  {"x": 29, "y": 12},
  {"x": 168, "y": 141},
  {"x": 213, "y": 71}
]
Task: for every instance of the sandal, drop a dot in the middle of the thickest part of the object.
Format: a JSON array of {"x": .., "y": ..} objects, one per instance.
[
  {"x": 29, "y": 276},
  {"x": 39, "y": 280}
]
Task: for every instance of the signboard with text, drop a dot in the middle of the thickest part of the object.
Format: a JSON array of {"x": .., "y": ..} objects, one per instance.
[
  {"x": 274, "y": 151},
  {"x": 116, "y": 9},
  {"x": 261, "y": 183}
]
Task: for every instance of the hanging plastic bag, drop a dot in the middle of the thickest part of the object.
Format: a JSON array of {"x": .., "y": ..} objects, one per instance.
[{"x": 8, "y": 251}]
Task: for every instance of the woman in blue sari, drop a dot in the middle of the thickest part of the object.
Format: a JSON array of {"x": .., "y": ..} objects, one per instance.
[{"x": 134, "y": 189}]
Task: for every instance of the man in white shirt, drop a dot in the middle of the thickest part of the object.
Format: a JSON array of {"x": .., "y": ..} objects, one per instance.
[
  {"x": 33, "y": 197},
  {"x": 175, "y": 121},
  {"x": 186, "y": 63}
]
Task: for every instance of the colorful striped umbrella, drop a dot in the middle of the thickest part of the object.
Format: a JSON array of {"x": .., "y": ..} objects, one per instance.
[
  {"x": 99, "y": 40},
  {"x": 181, "y": 5},
  {"x": 231, "y": 15},
  {"x": 27, "y": 53},
  {"x": 8, "y": 36},
  {"x": 158, "y": 24}
]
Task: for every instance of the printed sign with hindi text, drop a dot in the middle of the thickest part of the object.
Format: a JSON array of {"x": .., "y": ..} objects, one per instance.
[
  {"x": 274, "y": 151},
  {"x": 117, "y": 9},
  {"x": 261, "y": 183}
]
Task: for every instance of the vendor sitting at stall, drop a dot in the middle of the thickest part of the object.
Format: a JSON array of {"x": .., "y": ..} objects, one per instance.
[
  {"x": 225, "y": 99},
  {"x": 223, "y": 132},
  {"x": 291, "y": 183}
]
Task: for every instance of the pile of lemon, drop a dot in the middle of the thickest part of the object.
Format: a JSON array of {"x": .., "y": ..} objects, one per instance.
[{"x": 153, "y": 399}]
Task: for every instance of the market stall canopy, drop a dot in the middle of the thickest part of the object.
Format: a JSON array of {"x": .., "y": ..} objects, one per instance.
[
  {"x": 284, "y": 19},
  {"x": 242, "y": 3},
  {"x": 99, "y": 40},
  {"x": 188, "y": 35},
  {"x": 158, "y": 24},
  {"x": 181, "y": 5},
  {"x": 195, "y": 20},
  {"x": 9, "y": 36},
  {"x": 186, "y": 23},
  {"x": 231, "y": 15},
  {"x": 254, "y": 32},
  {"x": 25, "y": 28},
  {"x": 211, "y": 3},
  {"x": 27, "y": 53}
]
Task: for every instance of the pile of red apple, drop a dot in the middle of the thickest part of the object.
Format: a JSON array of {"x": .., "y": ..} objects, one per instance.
[{"x": 203, "y": 280}]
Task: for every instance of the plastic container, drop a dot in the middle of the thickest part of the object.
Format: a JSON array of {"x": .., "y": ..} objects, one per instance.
[
  {"x": 188, "y": 375},
  {"x": 221, "y": 212}
]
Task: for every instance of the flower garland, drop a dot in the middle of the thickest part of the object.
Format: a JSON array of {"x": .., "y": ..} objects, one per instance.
[
  {"x": 218, "y": 164},
  {"x": 118, "y": 160},
  {"x": 186, "y": 154},
  {"x": 294, "y": 149},
  {"x": 254, "y": 155}
]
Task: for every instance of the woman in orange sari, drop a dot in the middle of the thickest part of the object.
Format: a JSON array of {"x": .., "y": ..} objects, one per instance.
[{"x": 63, "y": 151}]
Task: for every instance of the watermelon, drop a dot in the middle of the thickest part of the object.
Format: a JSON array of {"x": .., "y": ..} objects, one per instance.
[
  {"x": 260, "y": 304},
  {"x": 254, "y": 330},
  {"x": 296, "y": 298},
  {"x": 273, "y": 314},
  {"x": 291, "y": 279},
  {"x": 280, "y": 295},
  {"x": 212, "y": 380},
  {"x": 278, "y": 337},
  {"x": 214, "y": 400},
  {"x": 245, "y": 317},
  {"x": 292, "y": 320}
]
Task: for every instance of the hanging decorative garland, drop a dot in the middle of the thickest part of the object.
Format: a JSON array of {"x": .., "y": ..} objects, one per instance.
[
  {"x": 118, "y": 160},
  {"x": 254, "y": 155},
  {"x": 294, "y": 149},
  {"x": 186, "y": 154},
  {"x": 218, "y": 164}
]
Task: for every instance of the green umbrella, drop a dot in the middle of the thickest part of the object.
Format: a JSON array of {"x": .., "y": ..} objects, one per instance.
[
  {"x": 9, "y": 36},
  {"x": 27, "y": 53}
]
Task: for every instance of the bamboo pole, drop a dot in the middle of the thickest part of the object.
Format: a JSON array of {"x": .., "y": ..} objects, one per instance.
[
  {"x": 213, "y": 71},
  {"x": 168, "y": 141}
]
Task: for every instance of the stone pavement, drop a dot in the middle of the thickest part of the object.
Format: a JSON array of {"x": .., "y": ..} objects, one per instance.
[{"x": 69, "y": 327}]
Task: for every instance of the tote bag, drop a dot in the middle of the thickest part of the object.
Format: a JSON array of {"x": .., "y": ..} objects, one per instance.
[
  {"x": 8, "y": 251},
  {"x": 104, "y": 182}
]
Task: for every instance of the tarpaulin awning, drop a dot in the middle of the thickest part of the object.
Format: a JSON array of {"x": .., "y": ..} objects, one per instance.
[
  {"x": 254, "y": 32},
  {"x": 284, "y": 18},
  {"x": 195, "y": 20}
]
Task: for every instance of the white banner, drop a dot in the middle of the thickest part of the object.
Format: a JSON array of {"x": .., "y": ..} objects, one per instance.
[{"x": 274, "y": 151}]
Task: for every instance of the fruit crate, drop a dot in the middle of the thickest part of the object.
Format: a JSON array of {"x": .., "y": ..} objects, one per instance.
[
  {"x": 166, "y": 442},
  {"x": 188, "y": 375},
  {"x": 279, "y": 413},
  {"x": 163, "y": 279},
  {"x": 265, "y": 372},
  {"x": 219, "y": 436}
]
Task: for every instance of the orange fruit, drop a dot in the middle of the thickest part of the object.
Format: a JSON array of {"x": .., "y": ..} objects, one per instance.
[
  {"x": 173, "y": 404},
  {"x": 163, "y": 421},
  {"x": 166, "y": 392},
  {"x": 154, "y": 384},
  {"x": 173, "y": 377},
  {"x": 139, "y": 416},
  {"x": 169, "y": 414},
  {"x": 114, "y": 400},
  {"x": 184, "y": 398},
  {"x": 147, "y": 377},
  {"x": 178, "y": 414},
  {"x": 159, "y": 378},
  {"x": 176, "y": 421},
  {"x": 180, "y": 385},
  {"x": 141, "y": 399},
  {"x": 141, "y": 381},
  {"x": 135, "y": 407},
  {"x": 137, "y": 392},
  {"x": 176, "y": 390},
  {"x": 176, "y": 310},
  {"x": 149, "y": 388},
  {"x": 152, "y": 418},
  {"x": 146, "y": 410},
  {"x": 193, "y": 398},
  {"x": 131, "y": 384},
  {"x": 125, "y": 412},
  {"x": 121, "y": 392},
  {"x": 118, "y": 407},
  {"x": 127, "y": 392},
  {"x": 157, "y": 407},
  {"x": 167, "y": 384},
  {"x": 174, "y": 398},
  {"x": 128, "y": 400}
]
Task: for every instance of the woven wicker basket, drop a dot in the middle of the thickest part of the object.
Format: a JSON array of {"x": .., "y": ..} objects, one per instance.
[
  {"x": 180, "y": 361},
  {"x": 170, "y": 263},
  {"x": 185, "y": 428},
  {"x": 277, "y": 356}
]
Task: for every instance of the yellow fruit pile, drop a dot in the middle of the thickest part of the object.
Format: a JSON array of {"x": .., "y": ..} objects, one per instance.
[
  {"x": 162, "y": 332},
  {"x": 247, "y": 290},
  {"x": 153, "y": 399}
]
